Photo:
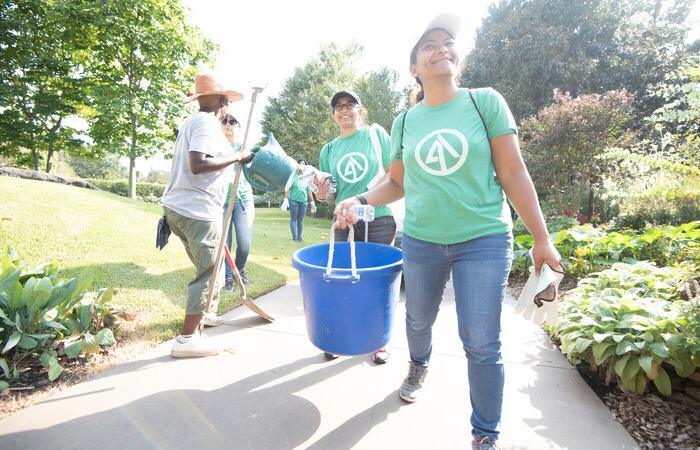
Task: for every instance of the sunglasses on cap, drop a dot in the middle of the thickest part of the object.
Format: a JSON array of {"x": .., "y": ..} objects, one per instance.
[{"x": 229, "y": 122}]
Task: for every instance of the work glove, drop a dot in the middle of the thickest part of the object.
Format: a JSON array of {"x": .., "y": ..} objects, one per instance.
[
  {"x": 285, "y": 205},
  {"x": 312, "y": 207},
  {"x": 162, "y": 233},
  {"x": 538, "y": 300}
]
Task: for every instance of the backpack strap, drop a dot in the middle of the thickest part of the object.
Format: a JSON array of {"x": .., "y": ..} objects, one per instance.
[
  {"x": 403, "y": 125},
  {"x": 478, "y": 112},
  {"x": 377, "y": 149}
]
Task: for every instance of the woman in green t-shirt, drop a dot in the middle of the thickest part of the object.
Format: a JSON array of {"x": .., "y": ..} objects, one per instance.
[
  {"x": 454, "y": 155},
  {"x": 296, "y": 199},
  {"x": 243, "y": 212},
  {"x": 358, "y": 159}
]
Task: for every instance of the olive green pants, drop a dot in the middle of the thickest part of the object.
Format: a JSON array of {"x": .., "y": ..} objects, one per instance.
[{"x": 201, "y": 239}]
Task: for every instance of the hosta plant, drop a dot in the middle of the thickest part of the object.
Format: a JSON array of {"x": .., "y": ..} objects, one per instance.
[
  {"x": 43, "y": 315},
  {"x": 631, "y": 322}
]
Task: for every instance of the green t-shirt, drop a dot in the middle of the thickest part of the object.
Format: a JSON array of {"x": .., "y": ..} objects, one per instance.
[
  {"x": 352, "y": 161},
  {"x": 298, "y": 190},
  {"x": 245, "y": 191},
  {"x": 452, "y": 193}
]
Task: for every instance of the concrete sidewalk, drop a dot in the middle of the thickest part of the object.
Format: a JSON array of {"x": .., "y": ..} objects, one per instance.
[{"x": 275, "y": 390}]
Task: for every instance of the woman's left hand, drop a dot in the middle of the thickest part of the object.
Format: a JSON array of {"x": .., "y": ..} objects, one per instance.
[{"x": 545, "y": 252}]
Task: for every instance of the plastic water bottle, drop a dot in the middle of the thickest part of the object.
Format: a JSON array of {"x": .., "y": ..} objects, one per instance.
[{"x": 364, "y": 213}]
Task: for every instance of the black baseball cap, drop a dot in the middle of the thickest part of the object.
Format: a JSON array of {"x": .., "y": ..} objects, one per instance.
[{"x": 347, "y": 93}]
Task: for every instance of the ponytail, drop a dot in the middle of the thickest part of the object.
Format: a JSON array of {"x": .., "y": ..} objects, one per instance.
[{"x": 417, "y": 94}]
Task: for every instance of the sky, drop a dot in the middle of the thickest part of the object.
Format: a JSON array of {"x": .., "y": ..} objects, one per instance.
[{"x": 263, "y": 41}]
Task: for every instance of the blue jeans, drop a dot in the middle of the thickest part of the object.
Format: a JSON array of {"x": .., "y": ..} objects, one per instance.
[
  {"x": 297, "y": 211},
  {"x": 244, "y": 235},
  {"x": 480, "y": 270}
]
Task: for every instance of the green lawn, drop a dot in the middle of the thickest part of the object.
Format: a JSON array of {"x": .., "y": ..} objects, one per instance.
[{"x": 78, "y": 228}]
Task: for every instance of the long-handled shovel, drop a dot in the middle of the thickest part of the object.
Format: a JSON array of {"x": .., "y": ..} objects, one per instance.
[
  {"x": 241, "y": 288},
  {"x": 227, "y": 222}
]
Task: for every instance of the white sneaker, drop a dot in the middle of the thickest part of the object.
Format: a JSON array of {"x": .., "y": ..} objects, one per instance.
[
  {"x": 211, "y": 320},
  {"x": 193, "y": 346}
]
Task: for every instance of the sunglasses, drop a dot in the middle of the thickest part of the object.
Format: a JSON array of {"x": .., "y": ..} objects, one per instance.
[
  {"x": 345, "y": 106},
  {"x": 229, "y": 122}
]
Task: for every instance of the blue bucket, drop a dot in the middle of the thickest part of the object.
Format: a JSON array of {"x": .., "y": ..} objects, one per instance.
[{"x": 349, "y": 314}]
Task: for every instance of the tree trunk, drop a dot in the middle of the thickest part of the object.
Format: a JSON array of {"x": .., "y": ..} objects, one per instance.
[
  {"x": 49, "y": 157},
  {"x": 132, "y": 177},
  {"x": 132, "y": 159},
  {"x": 52, "y": 142},
  {"x": 557, "y": 194},
  {"x": 35, "y": 157},
  {"x": 591, "y": 200}
]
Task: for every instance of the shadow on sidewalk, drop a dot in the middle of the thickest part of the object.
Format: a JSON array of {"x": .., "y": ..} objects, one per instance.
[{"x": 242, "y": 415}]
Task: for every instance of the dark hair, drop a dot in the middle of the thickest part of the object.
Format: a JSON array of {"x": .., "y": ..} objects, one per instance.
[
  {"x": 417, "y": 94},
  {"x": 302, "y": 159}
]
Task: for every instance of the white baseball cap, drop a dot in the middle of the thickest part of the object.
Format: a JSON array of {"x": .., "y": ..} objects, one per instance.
[{"x": 447, "y": 21}]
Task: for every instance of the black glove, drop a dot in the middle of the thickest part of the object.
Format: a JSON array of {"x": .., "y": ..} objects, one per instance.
[{"x": 162, "y": 234}]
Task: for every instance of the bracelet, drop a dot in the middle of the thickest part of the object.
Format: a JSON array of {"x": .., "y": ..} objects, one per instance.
[{"x": 362, "y": 199}]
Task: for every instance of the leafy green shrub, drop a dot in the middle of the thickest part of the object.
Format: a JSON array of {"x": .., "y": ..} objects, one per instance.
[
  {"x": 105, "y": 169},
  {"x": 325, "y": 210},
  {"x": 631, "y": 321},
  {"x": 268, "y": 199},
  {"x": 148, "y": 192},
  {"x": 555, "y": 223},
  {"x": 43, "y": 316},
  {"x": 657, "y": 207},
  {"x": 586, "y": 249}
]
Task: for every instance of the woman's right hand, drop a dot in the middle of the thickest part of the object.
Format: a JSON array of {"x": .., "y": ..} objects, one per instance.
[
  {"x": 322, "y": 186},
  {"x": 343, "y": 215}
]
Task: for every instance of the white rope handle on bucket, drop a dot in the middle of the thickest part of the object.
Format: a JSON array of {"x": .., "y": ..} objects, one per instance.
[{"x": 351, "y": 238}]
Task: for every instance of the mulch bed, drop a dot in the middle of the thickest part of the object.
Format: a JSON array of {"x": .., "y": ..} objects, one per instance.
[
  {"x": 653, "y": 420},
  {"x": 33, "y": 383}
]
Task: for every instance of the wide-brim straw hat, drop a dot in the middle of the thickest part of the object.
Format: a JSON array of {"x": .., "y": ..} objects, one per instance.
[{"x": 208, "y": 84}]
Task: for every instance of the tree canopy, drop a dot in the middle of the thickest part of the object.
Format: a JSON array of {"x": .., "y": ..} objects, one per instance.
[
  {"x": 527, "y": 48},
  {"x": 42, "y": 77},
  {"x": 300, "y": 116},
  {"x": 144, "y": 62}
]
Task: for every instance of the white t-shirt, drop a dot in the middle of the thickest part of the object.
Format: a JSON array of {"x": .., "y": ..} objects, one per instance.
[{"x": 199, "y": 196}]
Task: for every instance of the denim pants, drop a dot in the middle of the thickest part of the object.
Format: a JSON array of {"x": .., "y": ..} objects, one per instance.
[
  {"x": 297, "y": 210},
  {"x": 244, "y": 234},
  {"x": 200, "y": 239},
  {"x": 381, "y": 230},
  {"x": 480, "y": 270}
]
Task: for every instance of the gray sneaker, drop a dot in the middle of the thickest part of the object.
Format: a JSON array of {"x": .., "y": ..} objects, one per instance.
[
  {"x": 412, "y": 385},
  {"x": 484, "y": 443}
]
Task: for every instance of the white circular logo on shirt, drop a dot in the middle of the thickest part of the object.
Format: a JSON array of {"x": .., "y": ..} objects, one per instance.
[
  {"x": 352, "y": 167},
  {"x": 440, "y": 157}
]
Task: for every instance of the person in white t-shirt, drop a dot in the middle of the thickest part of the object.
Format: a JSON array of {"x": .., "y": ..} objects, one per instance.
[{"x": 193, "y": 201}]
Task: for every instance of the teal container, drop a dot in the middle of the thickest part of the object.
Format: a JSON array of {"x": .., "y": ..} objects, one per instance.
[{"x": 270, "y": 168}]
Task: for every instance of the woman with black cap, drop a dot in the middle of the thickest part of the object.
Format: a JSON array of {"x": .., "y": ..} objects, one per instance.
[
  {"x": 454, "y": 155},
  {"x": 358, "y": 159}
]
